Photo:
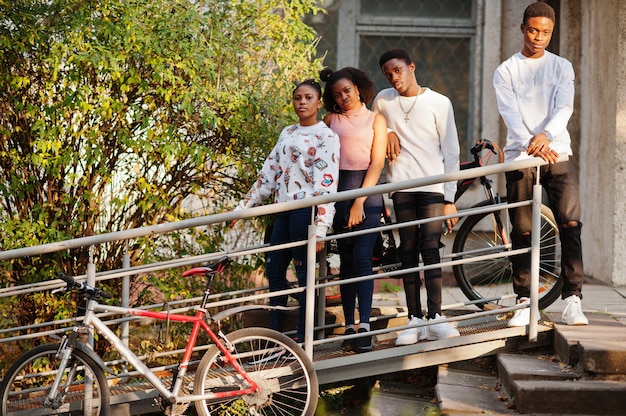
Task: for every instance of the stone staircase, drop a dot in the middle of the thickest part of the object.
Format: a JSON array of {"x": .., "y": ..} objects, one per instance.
[{"x": 583, "y": 373}]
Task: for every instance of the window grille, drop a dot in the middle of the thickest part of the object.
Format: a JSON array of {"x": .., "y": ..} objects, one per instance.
[{"x": 439, "y": 35}]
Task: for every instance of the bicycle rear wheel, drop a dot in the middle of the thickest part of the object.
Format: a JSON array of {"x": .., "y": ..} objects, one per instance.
[
  {"x": 27, "y": 383},
  {"x": 490, "y": 278},
  {"x": 274, "y": 361}
]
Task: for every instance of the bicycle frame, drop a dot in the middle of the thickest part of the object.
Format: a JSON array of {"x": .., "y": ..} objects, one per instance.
[
  {"x": 91, "y": 321},
  {"x": 485, "y": 182}
]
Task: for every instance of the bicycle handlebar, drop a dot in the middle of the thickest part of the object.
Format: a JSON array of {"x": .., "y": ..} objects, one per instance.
[
  {"x": 71, "y": 283},
  {"x": 480, "y": 145},
  {"x": 81, "y": 287},
  {"x": 94, "y": 293}
]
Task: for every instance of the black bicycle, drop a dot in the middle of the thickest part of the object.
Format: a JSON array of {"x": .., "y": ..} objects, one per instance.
[{"x": 489, "y": 233}]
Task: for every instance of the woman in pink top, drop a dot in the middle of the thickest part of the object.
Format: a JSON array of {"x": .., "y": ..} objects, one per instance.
[{"x": 363, "y": 137}]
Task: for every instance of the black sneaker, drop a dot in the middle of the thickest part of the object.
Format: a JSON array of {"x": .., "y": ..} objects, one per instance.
[
  {"x": 348, "y": 344},
  {"x": 363, "y": 344}
]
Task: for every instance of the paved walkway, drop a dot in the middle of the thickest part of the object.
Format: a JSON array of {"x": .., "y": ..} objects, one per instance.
[{"x": 598, "y": 299}]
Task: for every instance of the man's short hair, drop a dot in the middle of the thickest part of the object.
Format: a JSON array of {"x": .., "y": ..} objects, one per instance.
[
  {"x": 394, "y": 54},
  {"x": 539, "y": 9}
]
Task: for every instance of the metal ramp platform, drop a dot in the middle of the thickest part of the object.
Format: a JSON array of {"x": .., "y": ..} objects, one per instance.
[{"x": 480, "y": 336}]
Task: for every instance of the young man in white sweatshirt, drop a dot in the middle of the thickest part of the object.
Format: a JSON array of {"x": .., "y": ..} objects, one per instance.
[
  {"x": 535, "y": 94},
  {"x": 422, "y": 142}
]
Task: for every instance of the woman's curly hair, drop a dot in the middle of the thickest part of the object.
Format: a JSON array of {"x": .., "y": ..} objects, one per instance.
[{"x": 354, "y": 75}]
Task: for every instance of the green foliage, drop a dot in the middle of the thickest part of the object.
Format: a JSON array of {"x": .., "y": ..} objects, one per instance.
[
  {"x": 114, "y": 112},
  {"x": 390, "y": 288}
]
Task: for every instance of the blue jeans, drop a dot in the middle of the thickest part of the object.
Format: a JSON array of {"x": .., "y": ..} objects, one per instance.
[
  {"x": 288, "y": 226},
  {"x": 561, "y": 186},
  {"x": 419, "y": 240},
  {"x": 355, "y": 253}
]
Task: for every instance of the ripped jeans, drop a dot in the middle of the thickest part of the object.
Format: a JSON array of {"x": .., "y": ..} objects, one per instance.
[
  {"x": 420, "y": 240},
  {"x": 560, "y": 184}
]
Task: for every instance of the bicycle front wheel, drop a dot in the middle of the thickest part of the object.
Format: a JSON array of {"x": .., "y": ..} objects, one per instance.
[
  {"x": 491, "y": 278},
  {"x": 286, "y": 377},
  {"x": 25, "y": 388}
]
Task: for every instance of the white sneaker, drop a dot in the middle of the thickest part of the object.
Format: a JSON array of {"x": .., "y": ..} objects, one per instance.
[
  {"x": 521, "y": 317},
  {"x": 441, "y": 331},
  {"x": 573, "y": 312},
  {"x": 412, "y": 335}
]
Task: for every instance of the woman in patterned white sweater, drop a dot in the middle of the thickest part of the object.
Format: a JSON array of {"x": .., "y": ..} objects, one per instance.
[{"x": 304, "y": 163}]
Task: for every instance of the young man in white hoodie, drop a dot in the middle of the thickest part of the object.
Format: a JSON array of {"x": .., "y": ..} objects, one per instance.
[
  {"x": 535, "y": 94},
  {"x": 422, "y": 142}
]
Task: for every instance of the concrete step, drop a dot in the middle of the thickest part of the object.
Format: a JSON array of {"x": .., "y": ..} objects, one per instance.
[
  {"x": 580, "y": 397},
  {"x": 586, "y": 376},
  {"x": 598, "y": 348},
  {"x": 467, "y": 391},
  {"x": 513, "y": 368},
  {"x": 541, "y": 386}
]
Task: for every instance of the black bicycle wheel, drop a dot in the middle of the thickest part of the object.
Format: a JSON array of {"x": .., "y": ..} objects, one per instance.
[
  {"x": 26, "y": 385},
  {"x": 275, "y": 362},
  {"x": 490, "y": 278}
]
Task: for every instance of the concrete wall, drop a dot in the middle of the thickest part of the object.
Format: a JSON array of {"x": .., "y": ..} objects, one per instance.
[
  {"x": 570, "y": 46},
  {"x": 619, "y": 171},
  {"x": 603, "y": 145}
]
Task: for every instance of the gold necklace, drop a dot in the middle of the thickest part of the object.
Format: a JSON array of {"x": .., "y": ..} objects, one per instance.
[{"x": 406, "y": 113}]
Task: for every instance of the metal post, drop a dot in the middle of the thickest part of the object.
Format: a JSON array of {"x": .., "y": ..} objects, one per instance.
[
  {"x": 309, "y": 317},
  {"x": 91, "y": 281},
  {"x": 534, "y": 259},
  {"x": 321, "y": 294},
  {"x": 125, "y": 295}
]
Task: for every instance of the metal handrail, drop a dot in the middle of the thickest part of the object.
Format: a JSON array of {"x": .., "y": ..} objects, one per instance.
[
  {"x": 252, "y": 212},
  {"x": 268, "y": 209}
]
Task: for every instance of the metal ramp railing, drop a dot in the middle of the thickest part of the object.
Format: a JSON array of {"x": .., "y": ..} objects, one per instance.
[{"x": 482, "y": 333}]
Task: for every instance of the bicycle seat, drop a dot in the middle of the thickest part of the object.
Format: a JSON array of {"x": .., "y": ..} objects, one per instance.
[
  {"x": 218, "y": 266},
  {"x": 197, "y": 270}
]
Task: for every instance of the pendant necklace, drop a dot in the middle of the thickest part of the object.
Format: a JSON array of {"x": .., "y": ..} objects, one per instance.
[
  {"x": 534, "y": 73},
  {"x": 406, "y": 113}
]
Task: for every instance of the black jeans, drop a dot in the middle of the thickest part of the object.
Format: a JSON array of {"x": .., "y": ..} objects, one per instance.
[
  {"x": 561, "y": 186},
  {"x": 419, "y": 240}
]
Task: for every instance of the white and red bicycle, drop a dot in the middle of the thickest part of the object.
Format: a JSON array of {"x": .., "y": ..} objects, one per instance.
[{"x": 254, "y": 371}]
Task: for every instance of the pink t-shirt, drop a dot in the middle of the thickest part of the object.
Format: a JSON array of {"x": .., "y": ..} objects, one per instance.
[{"x": 356, "y": 134}]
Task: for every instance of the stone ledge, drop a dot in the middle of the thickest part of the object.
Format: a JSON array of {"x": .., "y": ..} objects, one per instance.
[
  {"x": 570, "y": 397},
  {"x": 603, "y": 356},
  {"x": 463, "y": 392},
  {"x": 604, "y": 339},
  {"x": 517, "y": 367}
]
